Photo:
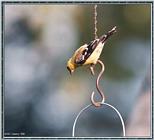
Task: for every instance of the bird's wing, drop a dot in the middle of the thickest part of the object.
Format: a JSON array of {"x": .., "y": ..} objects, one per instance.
[{"x": 84, "y": 52}]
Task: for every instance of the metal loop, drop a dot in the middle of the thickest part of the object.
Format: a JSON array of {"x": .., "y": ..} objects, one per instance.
[{"x": 109, "y": 105}]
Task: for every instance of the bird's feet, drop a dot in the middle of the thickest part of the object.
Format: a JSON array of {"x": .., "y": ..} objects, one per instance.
[{"x": 92, "y": 69}]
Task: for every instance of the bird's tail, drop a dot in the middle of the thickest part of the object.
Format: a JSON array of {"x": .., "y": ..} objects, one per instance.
[{"x": 108, "y": 34}]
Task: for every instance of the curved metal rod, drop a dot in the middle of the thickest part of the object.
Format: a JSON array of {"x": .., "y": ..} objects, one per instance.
[
  {"x": 85, "y": 108},
  {"x": 121, "y": 119},
  {"x": 74, "y": 125},
  {"x": 95, "y": 103}
]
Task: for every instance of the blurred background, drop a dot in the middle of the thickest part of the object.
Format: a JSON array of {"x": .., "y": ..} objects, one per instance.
[{"x": 42, "y": 99}]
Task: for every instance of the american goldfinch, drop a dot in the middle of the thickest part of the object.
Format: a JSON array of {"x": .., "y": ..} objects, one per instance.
[{"x": 88, "y": 54}]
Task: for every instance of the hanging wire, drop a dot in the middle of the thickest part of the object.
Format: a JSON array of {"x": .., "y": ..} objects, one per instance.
[{"x": 95, "y": 21}]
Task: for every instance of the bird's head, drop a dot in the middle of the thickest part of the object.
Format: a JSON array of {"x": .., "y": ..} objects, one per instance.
[{"x": 70, "y": 66}]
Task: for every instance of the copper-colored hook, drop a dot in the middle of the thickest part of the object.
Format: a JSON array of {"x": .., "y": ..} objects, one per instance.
[{"x": 95, "y": 103}]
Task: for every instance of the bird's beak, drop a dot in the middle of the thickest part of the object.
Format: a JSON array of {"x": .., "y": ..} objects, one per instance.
[{"x": 71, "y": 71}]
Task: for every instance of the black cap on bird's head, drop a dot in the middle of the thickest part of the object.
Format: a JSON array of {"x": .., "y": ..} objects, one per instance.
[
  {"x": 70, "y": 66},
  {"x": 70, "y": 71}
]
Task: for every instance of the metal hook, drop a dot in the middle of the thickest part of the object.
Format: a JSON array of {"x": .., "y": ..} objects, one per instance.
[{"x": 96, "y": 103}]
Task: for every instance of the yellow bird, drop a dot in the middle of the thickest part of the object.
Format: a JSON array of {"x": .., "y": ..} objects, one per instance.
[{"x": 88, "y": 54}]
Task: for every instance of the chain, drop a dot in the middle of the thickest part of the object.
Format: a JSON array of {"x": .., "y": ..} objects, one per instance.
[{"x": 95, "y": 21}]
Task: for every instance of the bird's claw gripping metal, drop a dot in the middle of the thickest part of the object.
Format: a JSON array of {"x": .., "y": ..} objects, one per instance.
[{"x": 92, "y": 69}]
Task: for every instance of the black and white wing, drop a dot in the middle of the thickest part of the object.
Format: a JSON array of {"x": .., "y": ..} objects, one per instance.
[
  {"x": 85, "y": 51},
  {"x": 82, "y": 56}
]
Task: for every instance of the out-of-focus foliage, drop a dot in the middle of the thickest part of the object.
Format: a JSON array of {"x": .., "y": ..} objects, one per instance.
[{"x": 41, "y": 98}]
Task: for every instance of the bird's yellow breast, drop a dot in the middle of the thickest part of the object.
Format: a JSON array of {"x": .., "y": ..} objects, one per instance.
[{"x": 95, "y": 55}]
